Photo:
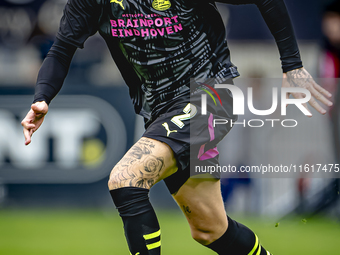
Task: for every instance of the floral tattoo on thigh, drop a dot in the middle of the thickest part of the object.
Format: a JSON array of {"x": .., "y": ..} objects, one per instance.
[{"x": 139, "y": 167}]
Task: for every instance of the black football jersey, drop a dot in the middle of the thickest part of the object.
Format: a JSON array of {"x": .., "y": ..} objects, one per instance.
[{"x": 158, "y": 45}]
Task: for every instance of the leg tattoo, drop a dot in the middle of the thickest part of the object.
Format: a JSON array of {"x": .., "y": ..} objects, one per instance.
[
  {"x": 186, "y": 210},
  {"x": 138, "y": 168}
]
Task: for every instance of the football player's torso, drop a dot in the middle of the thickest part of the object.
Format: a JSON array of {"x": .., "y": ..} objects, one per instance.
[{"x": 167, "y": 42}]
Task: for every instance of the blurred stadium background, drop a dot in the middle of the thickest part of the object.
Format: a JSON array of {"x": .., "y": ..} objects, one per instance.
[{"x": 53, "y": 193}]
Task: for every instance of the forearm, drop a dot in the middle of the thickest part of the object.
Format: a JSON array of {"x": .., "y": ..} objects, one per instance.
[
  {"x": 278, "y": 21},
  {"x": 53, "y": 71}
]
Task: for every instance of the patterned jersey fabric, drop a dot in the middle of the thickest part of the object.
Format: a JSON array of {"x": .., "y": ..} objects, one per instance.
[{"x": 158, "y": 45}]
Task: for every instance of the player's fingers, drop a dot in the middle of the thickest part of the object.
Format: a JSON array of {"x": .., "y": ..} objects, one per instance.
[
  {"x": 300, "y": 96},
  {"x": 318, "y": 96},
  {"x": 27, "y": 124},
  {"x": 24, "y": 122},
  {"x": 322, "y": 90},
  {"x": 316, "y": 106},
  {"x": 27, "y": 136}
]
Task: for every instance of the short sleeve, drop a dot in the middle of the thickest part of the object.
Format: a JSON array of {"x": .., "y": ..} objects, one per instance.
[{"x": 79, "y": 21}]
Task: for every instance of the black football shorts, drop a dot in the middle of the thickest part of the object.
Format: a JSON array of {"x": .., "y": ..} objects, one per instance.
[{"x": 192, "y": 135}]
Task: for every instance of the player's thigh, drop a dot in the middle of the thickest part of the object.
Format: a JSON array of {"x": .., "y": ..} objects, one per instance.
[
  {"x": 201, "y": 201},
  {"x": 146, "y": 163}
]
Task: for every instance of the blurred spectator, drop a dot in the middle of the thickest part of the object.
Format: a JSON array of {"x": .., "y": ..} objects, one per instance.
[
  {"x": 330, "y": 65},
  {"x": 330, "y": 72}
]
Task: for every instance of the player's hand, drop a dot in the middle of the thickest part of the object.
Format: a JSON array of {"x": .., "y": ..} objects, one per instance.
[
  {"x": 34, "y": 119},
  {"x": 302, "y": 79}
]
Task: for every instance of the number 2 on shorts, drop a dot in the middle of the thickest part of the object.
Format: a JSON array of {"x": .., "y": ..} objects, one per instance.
[{"x": 190, "y": 111}]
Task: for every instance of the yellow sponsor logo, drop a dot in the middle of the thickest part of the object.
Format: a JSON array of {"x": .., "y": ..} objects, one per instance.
[
  {"x": 161, "y": 5},
  {"x": 118, "y": 2}
]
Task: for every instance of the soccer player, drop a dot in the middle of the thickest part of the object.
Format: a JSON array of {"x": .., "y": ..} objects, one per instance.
[{"x": 158, "y": 46}]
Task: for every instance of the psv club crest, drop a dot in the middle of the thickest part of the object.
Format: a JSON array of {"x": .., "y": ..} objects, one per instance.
[{"x": 161, "y": 5}]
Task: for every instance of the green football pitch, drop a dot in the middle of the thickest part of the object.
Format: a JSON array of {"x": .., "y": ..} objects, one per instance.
[{"x": 85, "y": 232}]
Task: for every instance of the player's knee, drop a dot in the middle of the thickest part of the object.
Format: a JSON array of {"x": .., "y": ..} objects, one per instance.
[
  {"x": 111, "y": 184},
  {"x": 203, "y": 237},
  {"x": 115, "y": 181},
  {"x": 208, "y": 232},
  {"x": 120, "y": 177}
]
